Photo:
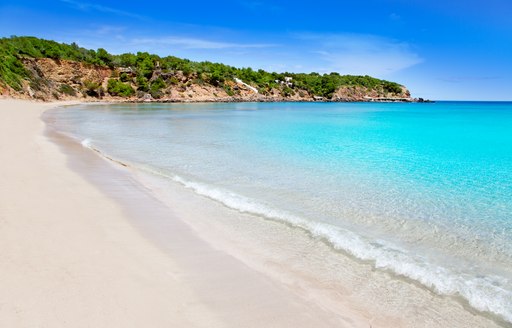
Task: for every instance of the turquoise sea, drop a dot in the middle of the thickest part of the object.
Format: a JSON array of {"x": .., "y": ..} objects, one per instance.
[{"x": 423, "y": 191}]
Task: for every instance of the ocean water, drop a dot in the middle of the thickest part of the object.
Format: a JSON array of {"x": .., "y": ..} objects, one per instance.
[{"x": 423, "y": 191}]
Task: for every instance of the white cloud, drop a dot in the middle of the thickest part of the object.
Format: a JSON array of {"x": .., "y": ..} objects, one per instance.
[
  {"x": 89, "y": 6},
  {"x": 109, "y": 30},
  {"x": 394, "y": 17},
  {"x": 361, "y": 54},
  {"x": 355, "y": 54},
  {"x": 459, "y": 79},
  {"x": 196, "y": 43}
]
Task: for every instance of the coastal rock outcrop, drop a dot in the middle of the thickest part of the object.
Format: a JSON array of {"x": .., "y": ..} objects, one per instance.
[
  {"x": 54, "y": 79},
  {"x": 47, "y": 70},
  {"x": 360, "y": 93}
]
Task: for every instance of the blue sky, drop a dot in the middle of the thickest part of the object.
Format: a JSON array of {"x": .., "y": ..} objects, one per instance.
[{"x": 441, "y": 50}]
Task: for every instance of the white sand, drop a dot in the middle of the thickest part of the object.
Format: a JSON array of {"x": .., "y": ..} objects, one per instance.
[{"x": 69, "y": 257}]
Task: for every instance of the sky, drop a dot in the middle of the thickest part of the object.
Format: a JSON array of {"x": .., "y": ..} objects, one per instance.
[{"x": 441, "y": 50}]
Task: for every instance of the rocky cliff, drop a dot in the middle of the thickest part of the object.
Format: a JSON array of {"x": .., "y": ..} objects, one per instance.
[{"x": 54, "y": 79}]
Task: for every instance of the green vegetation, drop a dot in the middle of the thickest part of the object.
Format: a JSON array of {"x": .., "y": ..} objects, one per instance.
[
  {"x": 139, "y": 71},
  {"x": 11, "y": 68},
  {"x": 93, "y": 89},
  {"x": 229, "y": 91},
  {"x": 124, "y": 77},
  {"x": 67, "y": 90},
  {"x": 117, "y": 88},
  {"x": 156, "y": 88}
]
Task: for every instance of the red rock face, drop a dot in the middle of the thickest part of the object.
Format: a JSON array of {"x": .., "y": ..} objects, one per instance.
[
  {"x": 64, "y": 71},
  {"x": 63, "y": 79},
  {"x": 48, "y": 76},
  {"x": 357, "y": 93}
]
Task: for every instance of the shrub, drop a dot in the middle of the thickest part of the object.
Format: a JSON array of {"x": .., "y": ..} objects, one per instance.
[
  {"x": 392, "y": 88},
  {"x": 156, "y": 88},
  {"x": 229, "y": 91},
  {"x": 117, "y": 88},
  {"x": 67, "y": 90},
  {"x": 287, "y": 92},
  {"x": 124, "y": 77},
  {"x": 93, "y": 89},
  {"x": 173, "y": 80},
  {"x": 142, "y": 83}
]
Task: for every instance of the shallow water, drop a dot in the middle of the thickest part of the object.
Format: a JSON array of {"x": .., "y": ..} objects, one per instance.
[{"x": 420, "y": 190}]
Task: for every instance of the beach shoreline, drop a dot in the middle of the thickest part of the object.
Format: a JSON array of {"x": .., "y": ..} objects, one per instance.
[
  {"x": 155, "y": 258},
  {"x": 71, "y": 255}
]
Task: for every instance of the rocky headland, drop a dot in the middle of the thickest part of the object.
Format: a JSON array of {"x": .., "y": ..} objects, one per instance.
[{"x": 49, "y": 71}]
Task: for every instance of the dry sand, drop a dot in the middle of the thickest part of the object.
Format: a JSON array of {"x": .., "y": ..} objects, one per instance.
[{"x": 72, "y": 256}]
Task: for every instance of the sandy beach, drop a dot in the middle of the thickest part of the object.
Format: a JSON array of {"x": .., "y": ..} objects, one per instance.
[{"x": 71, "y": 257}]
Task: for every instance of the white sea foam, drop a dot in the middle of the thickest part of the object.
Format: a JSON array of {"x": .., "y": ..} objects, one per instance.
[
  {"x": 87, "y": 143},
  {"x": 484, "y": 293}
]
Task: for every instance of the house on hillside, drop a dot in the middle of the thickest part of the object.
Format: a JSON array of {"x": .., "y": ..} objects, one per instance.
[{"x": 287, "y": 81}]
